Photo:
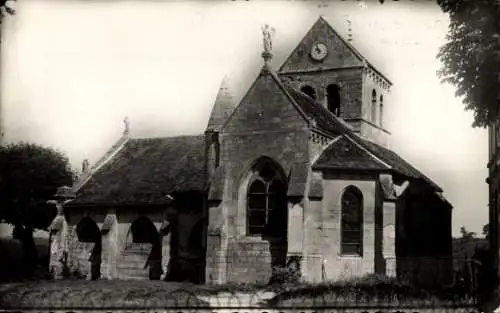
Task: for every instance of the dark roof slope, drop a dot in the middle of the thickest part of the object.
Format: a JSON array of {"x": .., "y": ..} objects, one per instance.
[
  {"x": 397, "y": 162},
  {"x": 345, "y": 154},
  {"x": 318, "y": 113},
  {"x": 145, "y": 170},
  {"x": 328, "y": 122}
]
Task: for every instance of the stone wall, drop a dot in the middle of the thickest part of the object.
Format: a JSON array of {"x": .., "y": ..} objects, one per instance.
[
  {"x": 349, "y": 80},
  {"x": 338, "y": 266},
  {"x": 269, "y": 127},
  {"x": 250, "y": 260},
  {"x": 121, "y": 258},
  {"x": 78, "y": 254}
]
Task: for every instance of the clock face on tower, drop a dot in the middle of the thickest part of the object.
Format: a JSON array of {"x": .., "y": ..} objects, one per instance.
[{"x": 319, "y": 51}]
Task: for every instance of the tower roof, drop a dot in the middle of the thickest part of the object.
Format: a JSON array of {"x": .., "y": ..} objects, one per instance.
[{"x": 223, "y": 106}]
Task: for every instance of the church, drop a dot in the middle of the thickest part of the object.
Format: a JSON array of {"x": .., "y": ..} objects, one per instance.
[{"x": 296, "y": 176}]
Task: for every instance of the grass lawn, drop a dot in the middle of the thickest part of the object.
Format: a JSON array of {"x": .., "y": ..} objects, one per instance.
[
  {"x": 101, "y": 293},
  {"x": 128, "y": 294},
  {"x": 366, "y": 294}
]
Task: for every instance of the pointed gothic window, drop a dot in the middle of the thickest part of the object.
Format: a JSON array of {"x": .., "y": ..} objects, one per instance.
[
  {"x": 308, "y": 90},
  {"x": 267, "y": 205},
  {"x": 374, "y": 106},
  {"x": 381, "y": 115},
  {"x": 352, "y": 222},
  {"x": 333, "y": 99}
]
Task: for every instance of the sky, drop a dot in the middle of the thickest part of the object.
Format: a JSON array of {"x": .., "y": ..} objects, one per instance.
[{"x": 72, "y": 70}]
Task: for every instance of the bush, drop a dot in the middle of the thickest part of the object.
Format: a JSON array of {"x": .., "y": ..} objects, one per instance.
[
  {"x": 284, "y": 276},
  {"x": 369, "y": 288}
]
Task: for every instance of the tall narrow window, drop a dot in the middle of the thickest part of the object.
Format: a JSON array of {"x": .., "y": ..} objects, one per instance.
[
  {"x": 352, "y": 222},
  {"x": 333, "y": 99},
  {"x": 381, "y": 115},
  {"x": 308, "y": 90},
  {"x": 267, "y": 204},
  {"x": 374, "y": 106}
]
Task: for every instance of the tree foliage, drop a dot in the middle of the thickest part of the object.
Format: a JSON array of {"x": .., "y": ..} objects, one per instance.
[
  {"x": 5, "y": 9},
  {"x": 486, "y": 230},
  {"x": 470, "y": 55},
  {"x": 29, "y": 176},
  {"x": 467, "y": 234}
]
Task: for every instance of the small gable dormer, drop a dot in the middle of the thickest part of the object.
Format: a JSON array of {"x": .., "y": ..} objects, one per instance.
[{"x": 328, "y": 69}]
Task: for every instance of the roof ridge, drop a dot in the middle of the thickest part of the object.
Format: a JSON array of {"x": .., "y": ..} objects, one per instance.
[
  {"x": 265, "y": 70},
  {"x": 350, "y": 46},
  {"x": 328, "y": 145},
  {"x": 290, "y": 98},
  {"x": 335, "y": 119},
  {"x": 368, "y": 152},
  {"x": 105, "y": 158},
  {"x": 363, "y": 142},
  {"x": 145, "y": 170},
  {"x": 223, "y": 106},
  {"x": 166, "y": 137}
]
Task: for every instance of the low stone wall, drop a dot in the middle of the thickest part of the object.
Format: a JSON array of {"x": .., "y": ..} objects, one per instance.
[{"x": 251, "y": 261}]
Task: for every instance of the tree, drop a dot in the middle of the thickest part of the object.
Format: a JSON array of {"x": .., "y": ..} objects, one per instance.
[
  {"x": 470, "y": 56},
  {"x": 466, "y": 234},
  {"x": 486, "y": 230},
  {"x": 4, "y": 8},
  {"x": 29, "y": 176}
]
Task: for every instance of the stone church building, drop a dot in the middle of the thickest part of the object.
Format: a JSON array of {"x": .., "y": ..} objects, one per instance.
[{"x": 298, "y": 174}]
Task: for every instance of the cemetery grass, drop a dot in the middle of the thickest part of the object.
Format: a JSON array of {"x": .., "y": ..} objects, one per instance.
[{"x": 135, "y": 293}]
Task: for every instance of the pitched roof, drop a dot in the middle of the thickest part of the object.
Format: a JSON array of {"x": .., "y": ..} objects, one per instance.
[
  {"x": 316, "y": 112},
  {"x": 397, "y": 162},
  {"x": 144, "y": 171},
  {"x": 346, "y": 154},
  {"x": 328, "y": 122}
]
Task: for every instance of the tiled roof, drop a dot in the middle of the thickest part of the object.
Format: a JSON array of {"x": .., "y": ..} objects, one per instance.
[
  {"x": 396, "y": 162},
  {"x": 318, "y": 113},
  {"x": 345, "y": 154},
  {"x": 144, "y": 171},
  {"x": 328, "y": 122}
]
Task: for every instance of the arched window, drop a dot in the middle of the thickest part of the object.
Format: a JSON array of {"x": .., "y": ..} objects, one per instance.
[
  {"x": 374, "y": 106},
  {"x": 381, "y": 115},
  {"x": 308, "y": 90},
  {"x": 267, "y": 204},
  {"x": 352, "y": 222},
  {"x": 333, "y": 99}
]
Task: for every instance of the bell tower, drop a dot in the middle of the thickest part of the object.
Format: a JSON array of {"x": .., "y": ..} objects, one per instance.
[{"x": 331, "y": 71}]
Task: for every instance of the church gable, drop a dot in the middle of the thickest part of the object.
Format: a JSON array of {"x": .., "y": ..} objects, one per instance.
[
  {"x": 266, "y": 106},
  {"x": 322, "y": 48}
]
